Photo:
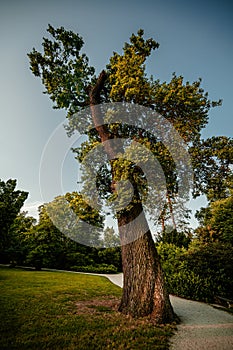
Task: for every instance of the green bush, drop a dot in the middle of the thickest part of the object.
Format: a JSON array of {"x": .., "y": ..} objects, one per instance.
[
  {"x": 189, "y": 285},
  {"x": 200, "y": 273},
  {"x": 79, "y": 259},
  {"x": 213, "y": 261},
  {"x": 110, "y": 256},
  {"x": 103, "y": 268},
  {"x": 36, "y": 258}
]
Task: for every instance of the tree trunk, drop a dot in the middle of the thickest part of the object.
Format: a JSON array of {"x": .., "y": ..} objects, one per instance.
[
  {"x": 162, "y": 219},
  {"x": 144, "y": 292},
  {"x": 171, "y": 211}
]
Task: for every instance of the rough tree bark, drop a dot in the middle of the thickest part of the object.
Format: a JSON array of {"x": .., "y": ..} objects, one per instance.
[{"x": 144, "y": 292}]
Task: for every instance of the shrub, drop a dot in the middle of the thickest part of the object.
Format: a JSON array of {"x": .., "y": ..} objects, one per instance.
[
  {"x": 111, "y": 256},
  {"x": 189, "y": 285},
  {"x": 199, "y": 273},
  {"x": 79, "y": 259},
  {"x": 36, "y": 258},
  {"x": 102, "y": 268}
]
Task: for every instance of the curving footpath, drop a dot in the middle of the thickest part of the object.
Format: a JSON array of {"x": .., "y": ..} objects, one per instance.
[{"x": 202, "y": 327}]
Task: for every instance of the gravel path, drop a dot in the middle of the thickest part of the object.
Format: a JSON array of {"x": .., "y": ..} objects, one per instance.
[{"x": 202, "y": 327}]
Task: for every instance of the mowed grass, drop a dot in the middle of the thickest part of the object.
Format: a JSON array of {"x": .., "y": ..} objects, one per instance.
[{"x": 56, "y": 310}]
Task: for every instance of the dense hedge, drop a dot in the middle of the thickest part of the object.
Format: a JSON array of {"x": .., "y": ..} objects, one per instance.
[
  {"x": 201, "y": 272},
  {"x": 78, "y": 258},
  {"x": 103, "y": 268}
]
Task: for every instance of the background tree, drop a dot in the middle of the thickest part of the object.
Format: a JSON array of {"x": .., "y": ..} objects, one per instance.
[
  {"x": 111, "y": 254},
  {"x": 76, "y": 218},
  {"x": 212, "y": 163},
  {"x": 111, "y": 239},
  {"x": 221, "y": 221},
  {"x": 19, "y": 231},
  {"x": 175, "y": 223},
  {"x": 55, "y": 248},
  {"x": 71, "y": 84},
  {"x": 45, "y": 243},
  {"x": 216, "y": 221},
  {"x": 11, "y": 201},
  {"x": 173, "y": 236}
]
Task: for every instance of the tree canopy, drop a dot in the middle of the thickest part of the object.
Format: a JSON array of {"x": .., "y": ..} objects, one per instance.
[
  {"x": 11, "y": 201},
  {"x": 70, "y": 82},
  {"x": 174, "y": 107}
]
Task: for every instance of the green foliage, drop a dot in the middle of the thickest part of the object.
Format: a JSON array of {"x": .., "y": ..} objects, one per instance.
[
  {"x": 45, "y": 243},
  {"x": 170, "y": 255},
  {"x": 46, "y": 246},
  {"x": 83, "y": 210},
  {"x": 79, "y": 258},
  {"x": 221, "y": 221},
  {"x": 216, "y": 221},
  {"x": 200, "y": 273},
  {"x": 38, "y": 257},
  {"x": 111, "y": 256},
  {"x": 64, "y": 70},
  {"x": 76, "y": 218},
  {"x": 212, "y": 163},
  {"x": 188, "y": 284},
  {"x": 19, "y": 232},
  {"x": 111, "y": 239},
  {"x": 185, "y": 105},
  {"x": 127, "y": 72},
  {"x": 172, "y": 236},
  {"x": 69, "y": 80},
  {"x": 11, "y": 201},
  {"x": 101, "y": 268}
]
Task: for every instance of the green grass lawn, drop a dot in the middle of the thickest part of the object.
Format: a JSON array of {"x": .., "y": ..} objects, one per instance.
[{"x": 56, "y": 310}]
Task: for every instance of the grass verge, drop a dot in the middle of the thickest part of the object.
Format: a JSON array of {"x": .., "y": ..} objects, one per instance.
[{"x": 56, "y": 310}]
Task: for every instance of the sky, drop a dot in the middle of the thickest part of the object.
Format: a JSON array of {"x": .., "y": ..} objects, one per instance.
[{"x": 195, "y": 40}]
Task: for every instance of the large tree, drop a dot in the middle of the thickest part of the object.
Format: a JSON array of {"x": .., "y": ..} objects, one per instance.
[
  {"x": 18, "y": 234},
  {"x": 213, "y": 166},
  {"x": 216, "y": 220},
  {"x": 72, "y": 85},
  {"x": 87, "y": 229},
  {"x": 11, "y": 201}
]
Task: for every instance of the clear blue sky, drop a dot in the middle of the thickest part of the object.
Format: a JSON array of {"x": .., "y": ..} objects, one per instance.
[{"x": 196, "y": 40}]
